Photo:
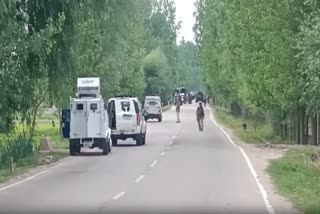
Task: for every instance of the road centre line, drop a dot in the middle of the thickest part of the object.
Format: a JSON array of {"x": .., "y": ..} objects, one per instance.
[
  {"x": 119, "y": 195},
  {"x": 154, "y": 163},
  {"x": 140, "y": 178},
  {"x": 162, "y": 153}
]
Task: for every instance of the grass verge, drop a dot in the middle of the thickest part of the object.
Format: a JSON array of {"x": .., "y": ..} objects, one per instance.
[
  {"x": 297, "y": 177},
  {"x": 45, "y": 129},
  {"x": 261, "y": 134},
  {"x": 23, "y": 165},
  {"x": 166, "y": 108}
]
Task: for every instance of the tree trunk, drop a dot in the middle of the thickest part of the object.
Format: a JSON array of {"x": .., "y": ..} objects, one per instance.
[
  {"x": 298, "y": 126},
  {"x": 302, "y": 126},
  {"x": 59, "y": 115},
  {"x": 318, "y": 130},
  {"x": 314, "y": 130},
  {"x": 306, "y": 133}
]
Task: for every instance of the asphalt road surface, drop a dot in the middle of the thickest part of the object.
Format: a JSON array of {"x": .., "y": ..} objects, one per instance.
[{"x": 179, "y": 170}]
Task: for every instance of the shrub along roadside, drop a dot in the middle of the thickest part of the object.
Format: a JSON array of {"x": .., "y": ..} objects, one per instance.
[{"x": 296, "y": 175}]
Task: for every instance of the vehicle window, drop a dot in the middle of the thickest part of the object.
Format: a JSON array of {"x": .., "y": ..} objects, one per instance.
[
  {"x": 136, "y": 107},
  {"x": 87, "y": 95},
  {"x": 93, "y": 106},
  {"x": 125, "y": 106},
  {"x": 152, "y": 102},
  {"x": 79, "y": 106}
]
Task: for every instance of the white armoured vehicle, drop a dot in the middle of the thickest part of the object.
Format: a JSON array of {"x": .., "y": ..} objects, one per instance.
[{"x": 89, "y": 122}]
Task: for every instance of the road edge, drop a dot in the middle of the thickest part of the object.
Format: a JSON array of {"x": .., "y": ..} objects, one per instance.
[{"x": 252, "y": 170}]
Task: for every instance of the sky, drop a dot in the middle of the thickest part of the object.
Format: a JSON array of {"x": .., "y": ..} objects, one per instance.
[{"x": 184, "y": 12}]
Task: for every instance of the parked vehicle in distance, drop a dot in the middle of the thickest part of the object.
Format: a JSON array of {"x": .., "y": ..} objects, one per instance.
[
  {"x": 89, "y": 121},
  {"x": 126, "y": 120},
  {"x": 152, "y": 108},
  {"x": 199, "y": 96}
]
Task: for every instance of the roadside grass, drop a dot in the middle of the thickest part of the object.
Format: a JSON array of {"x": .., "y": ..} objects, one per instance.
[
  {"x": 25, "y": 164},
  {"x": 297, "y": 177},
  {"x": 166, "y": 108},
  {"x": 43, "y": 128},
  {"x": 262, "y": 133}
]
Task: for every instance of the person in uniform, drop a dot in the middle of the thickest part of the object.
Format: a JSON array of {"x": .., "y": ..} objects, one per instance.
[{"x": 200, "y": 116}]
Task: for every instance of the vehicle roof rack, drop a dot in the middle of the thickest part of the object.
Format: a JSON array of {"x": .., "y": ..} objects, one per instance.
[{"x": 124, "y": 96}]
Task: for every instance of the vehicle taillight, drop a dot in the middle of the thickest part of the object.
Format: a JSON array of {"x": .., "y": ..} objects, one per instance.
[{"x": 138, "y": 119}]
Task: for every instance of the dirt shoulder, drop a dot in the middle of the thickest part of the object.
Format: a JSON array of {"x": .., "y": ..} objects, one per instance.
[{"x": 260, "y": 158}]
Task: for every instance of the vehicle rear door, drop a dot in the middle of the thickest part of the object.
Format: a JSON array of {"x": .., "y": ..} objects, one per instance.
[
  {"x": 153, "y": 106},
  {"x": 125, "y": 115},
  {"x": 78, "y": 127},
  {"x": 94, "y": 119}
]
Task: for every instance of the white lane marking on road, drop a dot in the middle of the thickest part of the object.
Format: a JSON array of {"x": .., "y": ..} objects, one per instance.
[
  {"x": 22, "y": 181},
  {"x": 140, "y": 178},
  {"x": 60, "y": 164},
  {"x": 171, "y": 142},
  {"x": 253, "y": 172},
  {"x": 119, "y": 195},
  {"x": 154, "y": 163},
  {"x": 163, "y": 153},
  {"x": 173, "y": 138}
]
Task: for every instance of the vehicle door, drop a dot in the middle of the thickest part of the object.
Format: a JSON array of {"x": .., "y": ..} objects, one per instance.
[
  {"x": 125, "y": 115},
  {"x": 78, "y": 119},
  {"x": 94, "y": 119},
  {"x": 153, "y": 106}
]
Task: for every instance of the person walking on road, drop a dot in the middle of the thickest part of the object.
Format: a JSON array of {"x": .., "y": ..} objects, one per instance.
[
  {"x": 200, "y": 116},
  {"x": 178, "y": 111}
]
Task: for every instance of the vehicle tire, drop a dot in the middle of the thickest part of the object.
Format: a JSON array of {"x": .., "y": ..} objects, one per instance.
[
  {"x": 105, "y": 147},
  {"x": 114, "y": 141},
  {"x": 109, "y": 145},
  {"x": 74, "y": 148},
  {"x": 160, "y": 119},
  {"x": 139, "y": 140},
  {"x": 144, "y": 138}
]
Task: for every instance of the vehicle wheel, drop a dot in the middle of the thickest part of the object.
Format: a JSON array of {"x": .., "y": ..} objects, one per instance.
[
  {"x": 105, "y": 147},
  {"x": 110, "y": 145},
  {"x": 139, "y": 140},
  {"x": 160, "y": 119},
  {"x": 114, "y": 141},
  {"x": 74, "y": 148},
  {"x": 144, "y": 139}
]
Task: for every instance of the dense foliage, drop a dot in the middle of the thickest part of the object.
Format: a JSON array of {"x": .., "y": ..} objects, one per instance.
[
  {"x": 45, "y": 45},
  {"x": 261, "y": 57}
]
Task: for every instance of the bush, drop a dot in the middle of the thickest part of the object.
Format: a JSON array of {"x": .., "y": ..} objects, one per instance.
[{"x": 16, "y": 147}]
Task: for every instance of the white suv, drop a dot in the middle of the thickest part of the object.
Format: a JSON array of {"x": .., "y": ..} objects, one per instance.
[{"x": 126, "y": 120}]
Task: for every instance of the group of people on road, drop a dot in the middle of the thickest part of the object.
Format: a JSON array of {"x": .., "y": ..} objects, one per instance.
[{"x": 199, "y": 114}]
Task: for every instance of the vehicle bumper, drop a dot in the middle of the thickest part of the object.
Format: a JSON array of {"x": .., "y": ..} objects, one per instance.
[{"x": 152, "y": 116}]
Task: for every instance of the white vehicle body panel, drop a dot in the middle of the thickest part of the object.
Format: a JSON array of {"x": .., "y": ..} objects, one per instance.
[
  {"x": 152, "y": 105},
  {"x": 88, "y": 119},
  {"x": 126, "y": 117}
]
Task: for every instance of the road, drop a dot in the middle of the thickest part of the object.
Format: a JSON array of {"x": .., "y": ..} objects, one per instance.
[{"x": 179, "y": 170}]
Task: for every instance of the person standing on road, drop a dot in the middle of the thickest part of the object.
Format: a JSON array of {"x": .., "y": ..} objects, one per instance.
[
  {"x": 205, "y": 101},
  {"x": 200, "y": 116},
  {"x": 178, "y": 110}
]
